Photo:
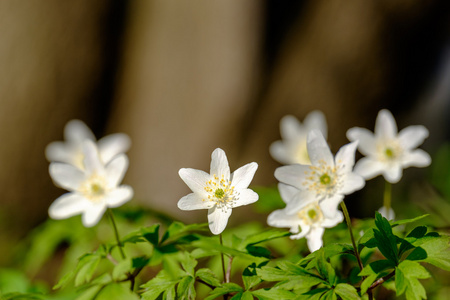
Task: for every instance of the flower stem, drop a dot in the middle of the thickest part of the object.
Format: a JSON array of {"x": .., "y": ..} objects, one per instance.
[
  {"x": 387, "y": 199},
  {"x": 349, "y": 225},
  {"x": 223, "y": 262},
  {"x": 116, "y": 232}
]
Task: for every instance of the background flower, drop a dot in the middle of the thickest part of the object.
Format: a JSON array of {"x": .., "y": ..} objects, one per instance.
[
  {"x": 387, "y": 151},
  {"x": 292, "y": 148}
]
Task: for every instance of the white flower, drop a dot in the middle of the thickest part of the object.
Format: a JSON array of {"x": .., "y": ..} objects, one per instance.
[
  {"x": 91, "y": 190},
  {"x": 218, "y": 191},
  {"x": 75, "y": 133},
  {"x": 326, "y": 181},
  {"x": 292, "y": 149},
  {"x": 310, "y": 219},
  {"x": 388, "y": 152},
  {"x": 383, "y": 212}
]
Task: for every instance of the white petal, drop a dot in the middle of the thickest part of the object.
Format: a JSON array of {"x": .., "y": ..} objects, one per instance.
[
  {"x": 287, "y": 192},
  {"x": 59, "y": 152},
  {"x": 66, "y": 176},
  {"x": 92, "y": 162},
  {"x": 246, "y": 196},
  {"x": 195, "y": 180},
  {"x": 193, "y": 201},
  {"x": 412, "y": 136},
  {"x": 383, "y": 212},
  {"x": 417, "y": 158},
  {"x": 279, "y": 152},
  {"x": 345, "y": 158},
  {"x": 293, "y": 175},
  {"x": 352, "y": 182},
  {"x": 314, "y": 238},
  {"x": 116, "y": 169},
  {"x": 280, "y": 219},
  {"x": 331, "y": 222},
  {"x": 316, "y": 120},
  {"x": 301, "y": 199},
  {"x": 76, "y": 131},
  {"x": 318, "y": 148},
  {"x": 290, "y": 127},
  {"x": 67, "y": 205},
  {"x": 119, "y": 196},
  {"x": 393, "y": 173},
  {"x": 385, "y": 126},
  {"x": 218, "y": 219},
  {"x": 365, "y": 138},
  {"x": 219, "y": 164},
  {"x": 242, "y": 177},
  {"x": 369, "y": 168},
  {"x": 330, "y": 206},
  {"x": 112, "y": 145},
  {"x": 93, "y": 214},
  {"x": 304, "y": 232}
]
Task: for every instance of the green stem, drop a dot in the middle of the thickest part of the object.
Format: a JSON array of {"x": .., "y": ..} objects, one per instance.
[
  {"x": 116, "y": 232},
  {"x": 349, "y": 225},
  {"x": 223, "y": 261},
  {"x": 387, "y": 198}
]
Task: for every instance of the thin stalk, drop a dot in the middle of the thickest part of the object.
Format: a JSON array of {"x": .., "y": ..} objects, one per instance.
[
  {"x": 349, "y": 225},
  {"x": 116, "y": 232},
  {"x": 387, "y": 199},
  {"x": 223, "y": 261}
]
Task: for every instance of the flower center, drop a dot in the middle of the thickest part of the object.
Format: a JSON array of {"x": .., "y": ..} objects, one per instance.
[
  {"x": 389, "y": 150},
  {"x": 389, "y": 153},
  {"x": 311, "y": 214},
  {"x": 94, "y": 188},
  {"x": 221, "y": 192},
  {"x": 322, "y": 179}
]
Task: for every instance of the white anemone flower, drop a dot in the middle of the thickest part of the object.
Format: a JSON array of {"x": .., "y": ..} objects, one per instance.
[
  {"x": 327, "y": 180},
  {"x": 387, "y": 151},
  {"x": 292, "y": 148},
  {"x": 91, "y": 190},
  {"x": 310, "y": 219},
  {"x": 75, "y": 133},
  {"x": 219, "y": 191}
]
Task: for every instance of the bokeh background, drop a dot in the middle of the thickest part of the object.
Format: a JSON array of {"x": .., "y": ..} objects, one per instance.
[{"x": 184, "y": 77}]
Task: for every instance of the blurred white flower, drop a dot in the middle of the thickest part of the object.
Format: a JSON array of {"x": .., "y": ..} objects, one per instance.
[
  {"x": 91, "y": 190},
  {"x": 326, "y": 181},
  {"x": 387, "y": 152},
  {"x": 383, "y": 212},
  {"x": 75, "y": 133},
  {"x": 310, "y": 219},
  {"x": 218, "y": 191},
  {"x": 292, "y": 148}
]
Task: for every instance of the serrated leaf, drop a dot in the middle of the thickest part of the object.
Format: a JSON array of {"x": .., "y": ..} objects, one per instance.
[
  {"x": 185, "y": 288},
  {"x": 251, "y": 281},
  {"x": 330, "y": 295},
  {"x": 401, "y": 222},
  {"x": 325, "y": 269},
  {"x": 386, "y": 240},
  {"x": 208, "y": 276},
  {"x": 224, "y": 289},
  {"x": 86, "y": 268},
  {"x": 151, "y": 234},
  {"x": 116, "y": 291},
  {"x": 90, "y": 293},
  {"x": 237, "y": 296},
  {"x": 247, "y": 296},
  {"x": 258, "y": 251},
  {"x": 314, "y": 294},
  {"x": 273, "y": 293},
  {"x": 437, "y": 249},
  {"x": 120, "y": 270},
  {"x": 177, "y": 229},
  {"x": 188, "y": 263},
  {"x": 346, "y": 291},
  {"x": 158, "y": 285},
  {"x": 374, "y": 271},
  {"x": 407, "y": 274}
]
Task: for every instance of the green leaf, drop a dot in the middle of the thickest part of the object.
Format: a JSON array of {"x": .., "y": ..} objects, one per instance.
[
  {"x": 247, "y": 296},
  {"x": 224, "y": 289},
  {"x": 238, "y": 296},
  {"x": 260, "y": 237},
  {"x": 437, "y": 249},
  {"x": 273, "y": 293},
  {"x": 386, "y": 240},
  {"x": 158, "y": 285},
  {"x": 188, "y": 263},
  {"x": 290, "y": 273},
  {"x": 374, "y": 271},
  {"x": 330, "y": 295},
  {"x": 401, "y": 222},
  {"x": 250, "y": 281},
  {"x": 407, "y": 274},
  {"x": 325, "y": 269},
  {"x": 185, "y": 288},
  {"x": 120, "y": 270},
  {"x": 21, "y": 296},
  {"x": 258, "y": 251},
  {"x": 208, "y": 276},
  {"x": 314, "y": 294},
  {"x": 90, "y": 293},
  {"x": 346, "y": 292},
  {"x": 86, "y": 268},
  {"x": 116, "y": 291},
  {"x": 177, "y": 229},
  {"x": 151, "y": 234}
]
